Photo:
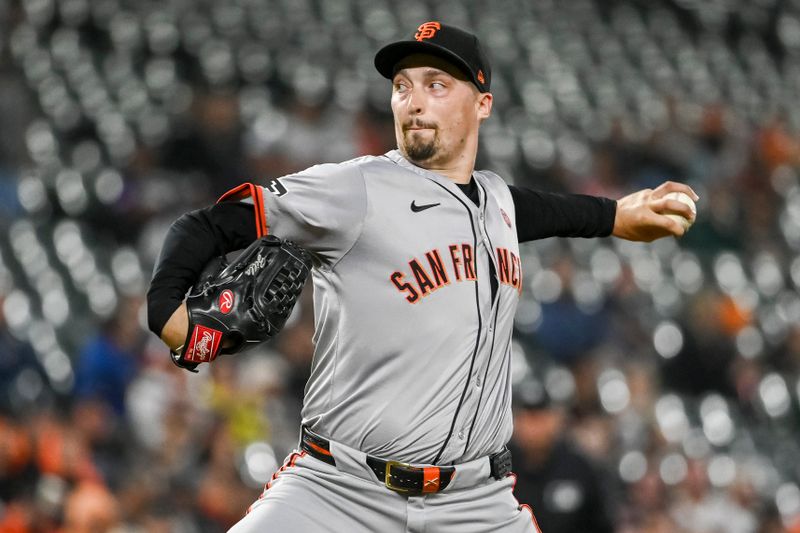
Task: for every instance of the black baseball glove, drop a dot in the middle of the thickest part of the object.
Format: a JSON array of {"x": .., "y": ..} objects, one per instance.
[{"x": 243, "y": 303}]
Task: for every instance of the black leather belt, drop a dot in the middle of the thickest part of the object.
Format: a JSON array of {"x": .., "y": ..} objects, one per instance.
[{"x": 402, "y": 477}]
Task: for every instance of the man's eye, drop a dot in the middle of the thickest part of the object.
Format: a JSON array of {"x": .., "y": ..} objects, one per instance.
[
  {"x": 437, "y": 85},
  {"x": 399, "y": 87}
]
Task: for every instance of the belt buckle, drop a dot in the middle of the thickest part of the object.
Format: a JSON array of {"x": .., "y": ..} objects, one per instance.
[{"x": 388, "y": 480}]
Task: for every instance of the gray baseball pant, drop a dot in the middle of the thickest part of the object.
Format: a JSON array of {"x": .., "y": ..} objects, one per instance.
[{"x": 307, "y": 495}]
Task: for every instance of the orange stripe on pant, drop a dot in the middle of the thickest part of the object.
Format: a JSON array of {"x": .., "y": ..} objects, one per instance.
[
  {"x": 525, "y": 505},
  {"x": 288, "y": 464}
]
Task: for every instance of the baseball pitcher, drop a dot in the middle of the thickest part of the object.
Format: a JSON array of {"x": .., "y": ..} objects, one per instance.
[{"x": 414, "y": 257}]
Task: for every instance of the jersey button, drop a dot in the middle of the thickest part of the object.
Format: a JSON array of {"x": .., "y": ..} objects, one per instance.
[
  {"x": 461, "y": 435},
  {"x": 478, "y": 382}
]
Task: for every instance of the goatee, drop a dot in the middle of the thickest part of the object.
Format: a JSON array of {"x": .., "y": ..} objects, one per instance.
[
  {"x": 416, "y": 146},
  {"x": 421, "y": 150}
]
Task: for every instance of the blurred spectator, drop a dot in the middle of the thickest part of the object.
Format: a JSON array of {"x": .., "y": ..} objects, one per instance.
[
  {"x": 567, "y": 493},
  {"x": 701, "y": 510},
  {"x": 567, "y": 331},
  {"x": 90, "y": 508},
  {"x": 61, "y": 450},
  {"x": 17, "y": 471},
  {"x": 23, "y": 382},
  {"x": 221, "y": 496},
  {"x": 109, "y": 361},
  {"x": 712, "y": 321},
  {"x": 646, "y": 507},
  {"x": 209, "y": 144},
  {"x": 105, "y": 438},
  {"x": 778, "y": 146},
  {"x": 123, "y": 115}
]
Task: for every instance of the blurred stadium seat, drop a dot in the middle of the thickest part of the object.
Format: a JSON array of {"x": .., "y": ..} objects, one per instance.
[{"x": 686, "y": 352}]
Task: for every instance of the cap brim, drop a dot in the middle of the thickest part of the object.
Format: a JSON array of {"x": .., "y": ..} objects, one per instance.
[{"x": 391, "y": 54}]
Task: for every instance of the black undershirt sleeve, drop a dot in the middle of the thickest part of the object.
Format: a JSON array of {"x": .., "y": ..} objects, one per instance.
[
  {"x": 542, "y": 214},
  {"x": 191, "y": 242}
]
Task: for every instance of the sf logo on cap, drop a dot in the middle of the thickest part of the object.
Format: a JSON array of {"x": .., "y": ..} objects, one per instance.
[{"x": 427, "y": 30}]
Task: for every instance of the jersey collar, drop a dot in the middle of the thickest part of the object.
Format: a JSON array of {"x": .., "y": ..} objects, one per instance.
[{"x": 398, "y": 158}]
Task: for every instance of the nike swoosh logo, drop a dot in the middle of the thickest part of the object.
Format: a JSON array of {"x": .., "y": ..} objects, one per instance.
[{"x": 417, "y": 208}]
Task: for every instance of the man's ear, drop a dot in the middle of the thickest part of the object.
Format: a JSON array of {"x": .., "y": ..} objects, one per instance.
[{"x": 484, "y": 106}]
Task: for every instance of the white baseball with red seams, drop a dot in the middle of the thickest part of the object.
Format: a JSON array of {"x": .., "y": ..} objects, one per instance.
[{"x": 682, "y": 197}]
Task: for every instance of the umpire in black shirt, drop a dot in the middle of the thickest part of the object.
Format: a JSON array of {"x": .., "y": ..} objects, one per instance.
[{"x": 565, "y": 491}]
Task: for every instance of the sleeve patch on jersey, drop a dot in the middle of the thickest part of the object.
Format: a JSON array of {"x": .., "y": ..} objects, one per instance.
[
  {"x": 506, "y": 218},
  {"x": 275, "y": 187}
]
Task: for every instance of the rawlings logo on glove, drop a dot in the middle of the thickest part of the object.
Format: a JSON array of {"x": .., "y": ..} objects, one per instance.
[
  {"x": 246, "y": 303},
  {"x": 203, "y": 346},
  {"x": 226, "y": 301}
]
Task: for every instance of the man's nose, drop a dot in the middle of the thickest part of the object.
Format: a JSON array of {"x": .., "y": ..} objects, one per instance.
[{"x": 416, "y": 102}]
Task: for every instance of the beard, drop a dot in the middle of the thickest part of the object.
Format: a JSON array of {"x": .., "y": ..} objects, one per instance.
[{"x": 417, "y": 147}]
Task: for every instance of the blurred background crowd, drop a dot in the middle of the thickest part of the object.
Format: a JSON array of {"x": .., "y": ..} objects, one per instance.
[{"x": 657, "y": 385}]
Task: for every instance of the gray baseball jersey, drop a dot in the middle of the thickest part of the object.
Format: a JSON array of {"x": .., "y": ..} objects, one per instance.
[{"x": 412, "y": 357}]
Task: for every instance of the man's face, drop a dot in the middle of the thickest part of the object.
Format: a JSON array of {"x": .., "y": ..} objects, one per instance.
[{"x": 437, "y": 111}]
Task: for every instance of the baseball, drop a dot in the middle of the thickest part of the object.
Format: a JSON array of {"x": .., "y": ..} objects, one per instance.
[{"x": 685, "y": 198}]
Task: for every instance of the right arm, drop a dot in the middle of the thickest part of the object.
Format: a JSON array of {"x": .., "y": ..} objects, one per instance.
[
  {"x": 639, "y": 216},
  {"x": 544, "y": 214}
]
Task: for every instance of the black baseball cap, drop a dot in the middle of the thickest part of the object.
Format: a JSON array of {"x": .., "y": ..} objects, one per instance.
[{"x": 452, "y": 44}]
